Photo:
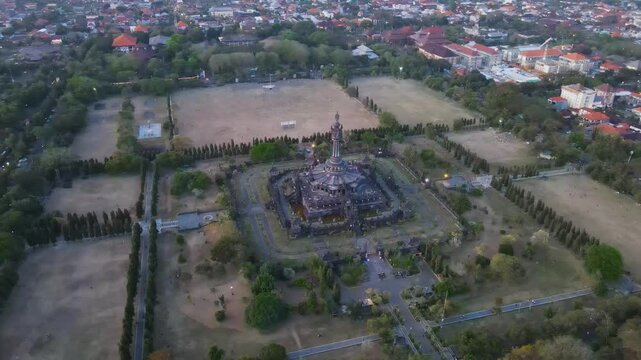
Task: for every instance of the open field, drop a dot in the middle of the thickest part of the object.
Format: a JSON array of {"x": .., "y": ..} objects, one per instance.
[
  {"x": 68, "y": 304},
  {"x": 244, "y": 111},
  {"x": 411, "y": 101},
  {"x": 97, "y": 193},
  {"x": 98, "y": 139},
  {"x": 185, "y": 324},
  {"x": 552, "y": 270},
  {"x": 611, "y": 217},
  {"x": 497, "y": 148},
  {"x": 173, "y": 205}
]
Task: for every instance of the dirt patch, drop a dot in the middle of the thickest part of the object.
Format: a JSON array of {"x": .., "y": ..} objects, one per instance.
[
  {"x": 68, "y": 304},
  {"x": 245, "y": 111},
  {"x": 497, "y": 148},
  {"x": 97, "y": 193},
  {"x": 613, "y": 218},
  {"x": 411, "y": 101},
  {"x": 98, "y": 139},
  {"x": 185, "y": 322}
]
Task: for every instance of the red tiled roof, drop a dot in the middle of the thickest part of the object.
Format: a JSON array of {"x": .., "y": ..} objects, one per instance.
[
  {"x": 484, "y": 49},
  {"x": 124, "y": 40},
  {"x": 181, "y": 24},
  {"x": 637, "y": 110},
  {"x": 541, "y": 53},
  {"x": 557, "y": 99},
  {"x": 462, "y": 49},
  {"x": 611, "y": 129},
  {"x": 595, "y": 116},
  {"x": 575, "y": 57},
  {"x": 609, "y": 65},
  {"x": 141, "y": 29}
]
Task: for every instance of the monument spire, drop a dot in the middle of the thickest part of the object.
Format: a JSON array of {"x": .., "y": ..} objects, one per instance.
[{"x": 337, "y": 137}]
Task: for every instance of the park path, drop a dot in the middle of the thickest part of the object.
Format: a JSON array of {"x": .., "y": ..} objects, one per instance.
[
  {"x": 522, "y": 305},
  {"x": 139, "y": 333},
  {"x": 303, "y": 353}
]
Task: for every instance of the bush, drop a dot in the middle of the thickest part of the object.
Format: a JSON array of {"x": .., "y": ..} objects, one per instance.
[
  {"x": 387, "y": 120},
  {"x": 506, "y": 248},
  {"x": 188, "y": 181},
  {"x": 269, "y": 151},
  {"x": 123, "y": 163},
  {"x": 352, "y": 274},
  {"x": 220, "y": 315},
  {"x": 173, "y": 159},
  {"x": 273, "y": 352}
]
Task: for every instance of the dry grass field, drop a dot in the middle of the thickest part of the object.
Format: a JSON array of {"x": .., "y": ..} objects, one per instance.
[
  {"x": 244, "y": 111},
  {"x": 68, "y": 303},
  {"x": 497, "y": 148},
  {"x": 97, "y": 193},
  {"x": 411, "y": 101},
  {"x": 98, "y": 139},
  {"x": 611, "y": 217},
  {"x": 185, "y": 324}
]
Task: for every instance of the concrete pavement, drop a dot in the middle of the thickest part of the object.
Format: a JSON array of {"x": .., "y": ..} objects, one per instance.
[
  {"x": 300, "y": 354},
  {"x": 139, "y": 333}
]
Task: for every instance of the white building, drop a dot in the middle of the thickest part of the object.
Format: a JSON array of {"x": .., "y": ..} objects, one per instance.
[
  {"x": 574, "y": 62},
  {"x": 578, "y": 96},
  {"x": 362, "y": 50},
  {"x": 221, "y": 11}
]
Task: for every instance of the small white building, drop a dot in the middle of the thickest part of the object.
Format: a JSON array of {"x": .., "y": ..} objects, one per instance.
[{"x": 362, "y": 50}]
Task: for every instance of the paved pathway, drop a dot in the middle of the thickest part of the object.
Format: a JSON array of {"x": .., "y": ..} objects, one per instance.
[
  {"x": 523, "y": 305},
  {"x": 299, "y": 354},
  {"x": 139, "y": 331}
]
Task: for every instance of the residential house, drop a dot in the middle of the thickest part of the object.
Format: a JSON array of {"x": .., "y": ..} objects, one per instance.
[
  {"x": 558, "y": 103},
  {"x": 221, "y": 12},
  {"x": 528, "y": 58},
  {"x": 578, "y": 96},
  {"x": 238, "y": 39},
  {"x": 398, "y": 36},
  {"x": 593, "y": 117},
  {"x": 574, "y": 62},
  {"x": 181, "y": 26},
  {"x": 157, "y": 41},
  {"x": 124, "y": 43},
  {"x": 610, "y": 66},
  {"x": 637, "y": 111},
  {"x": 605, "y": 95}
]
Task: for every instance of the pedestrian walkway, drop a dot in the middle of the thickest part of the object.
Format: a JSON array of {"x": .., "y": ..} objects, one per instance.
[
  {"x": 522, "y": 305},
  {"x": 303, "y": 353}
]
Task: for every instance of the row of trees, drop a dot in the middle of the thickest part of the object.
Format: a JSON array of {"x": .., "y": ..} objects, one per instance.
[
  {"x": 150, "y": 300},
  {"x": 126, "y": 339},
  {"x": 140, "y": 203},
  {"x": 88, "y": 226},
  {"x": 465, "y": 123},
  {"x": 602, "y": 260},
  {"x": 517, "y": 171},
  {"x": 126, "y": 140},
  {"x": 154, "y": 189},
  {"x": 470, "y": 159}
]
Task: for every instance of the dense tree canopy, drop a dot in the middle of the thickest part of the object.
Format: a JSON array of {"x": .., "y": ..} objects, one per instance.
[{"x": 604, "y": 261}]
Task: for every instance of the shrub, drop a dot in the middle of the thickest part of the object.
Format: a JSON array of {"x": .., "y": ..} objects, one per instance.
[
  {"x": 220, "y": 315},
  {"x": 269, "y": 151},
  {"x": 187, "y": 181},
  {"x": 604, "y": 261},
  {"x": 265, "y": 310}
]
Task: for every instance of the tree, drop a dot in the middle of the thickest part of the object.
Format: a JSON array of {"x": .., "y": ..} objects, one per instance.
[
  {"x": 564, "y": 348},
  {"x": 264, "y": 282},
  {"x": 459, "y": 202},
  {"x": 269, "y": 151},
  {"x": 604, "y": 261},
  {"x": 506, "y": 267},
  {"x": 387, "y": 120},
  {"x": 273, "y": 352},
  {"x": 215, "y": 353},
  {"x": 265, "y": 310},
  {"x": 220, "y": 315}
]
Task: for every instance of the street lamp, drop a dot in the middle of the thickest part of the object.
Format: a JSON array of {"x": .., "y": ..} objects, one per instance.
[
  {"x": 630, "y": 157},
  {"x": 400, "y": 72}
]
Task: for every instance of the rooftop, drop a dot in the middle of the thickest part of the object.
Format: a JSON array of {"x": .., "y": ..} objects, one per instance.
[
  {"x": 124, "y": 40},
  {"x": 541, "y": 53}
]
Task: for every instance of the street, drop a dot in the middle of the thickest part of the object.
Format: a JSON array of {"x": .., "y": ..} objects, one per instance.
[{"x": 299, "y": 354}]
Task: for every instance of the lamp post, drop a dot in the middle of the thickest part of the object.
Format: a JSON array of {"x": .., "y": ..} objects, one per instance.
[
  {"x": 630, "y": 157},
  {"x": 400, "y": 72}
]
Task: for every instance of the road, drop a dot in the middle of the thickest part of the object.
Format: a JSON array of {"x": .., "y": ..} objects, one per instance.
[
  {"x": 394, "y": 286},
  {"x": 523, "y": 305},
  {"x": 299, "y": 354},
  {"x": 139, "y": 333}
]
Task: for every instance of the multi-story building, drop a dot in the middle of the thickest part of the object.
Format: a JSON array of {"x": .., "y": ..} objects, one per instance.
[
  {"x": 529, "y": 58},
  {"x": 574, "y": 62},
  {"x": 467, "y": 57},
  {"x": 578, "y": 96},
  {"x": 490, "y": 57},
  {"x": 429, "y": 36}
]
